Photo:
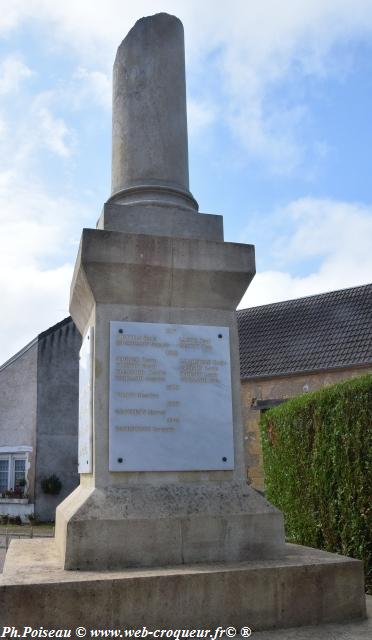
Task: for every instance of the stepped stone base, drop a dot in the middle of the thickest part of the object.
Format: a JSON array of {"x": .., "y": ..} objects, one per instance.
[
  {"x": 304, "y": 587},
  {"x": 144, "y": 526}
]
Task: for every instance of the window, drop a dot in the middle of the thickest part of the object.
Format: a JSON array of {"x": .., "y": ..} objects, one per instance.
[
  {"x": 12, "y": 475},
  {"x": 4, "y": 474}
]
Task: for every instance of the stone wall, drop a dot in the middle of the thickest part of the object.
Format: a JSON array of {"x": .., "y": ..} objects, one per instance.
[
  {"x": 18, "y": 407},
  {"x": 57, "y": 415},
  {"x": 275, "y": 389}
]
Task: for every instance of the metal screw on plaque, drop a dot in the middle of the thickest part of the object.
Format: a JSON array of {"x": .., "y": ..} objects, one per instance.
[
  {"x": 224, "y": 459},
  {"x": 120, "y": 459},
  {"x": 120, "y": 330},
  {"x": 220, "y": 335}
]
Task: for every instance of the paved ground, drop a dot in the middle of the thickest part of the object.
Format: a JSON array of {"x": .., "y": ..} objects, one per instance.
[{"x": 38, "y": 533}]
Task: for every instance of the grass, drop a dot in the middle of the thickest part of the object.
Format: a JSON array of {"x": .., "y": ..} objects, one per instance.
[{"x": 26, "y": 528}]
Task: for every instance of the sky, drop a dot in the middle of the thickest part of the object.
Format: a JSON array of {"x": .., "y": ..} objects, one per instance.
[{"x": 279, "y": 99}]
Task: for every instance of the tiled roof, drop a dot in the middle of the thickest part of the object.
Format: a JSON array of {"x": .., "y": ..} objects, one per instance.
[{"x": 327, "y": 331}]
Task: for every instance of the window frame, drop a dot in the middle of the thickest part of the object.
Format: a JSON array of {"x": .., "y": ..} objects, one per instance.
[{"x": 11, "y": 458}]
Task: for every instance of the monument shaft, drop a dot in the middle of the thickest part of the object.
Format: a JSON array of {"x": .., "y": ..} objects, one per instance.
[{"x": 149, "y": 142}]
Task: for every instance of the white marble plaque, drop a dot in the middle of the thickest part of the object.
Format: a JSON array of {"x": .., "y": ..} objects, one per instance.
[
  {"x": 85, "y": 403},
  {"x": 170, "y": 403}
]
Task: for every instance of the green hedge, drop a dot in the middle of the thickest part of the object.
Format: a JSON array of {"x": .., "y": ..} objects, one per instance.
[{"x": 318, "y": 468}]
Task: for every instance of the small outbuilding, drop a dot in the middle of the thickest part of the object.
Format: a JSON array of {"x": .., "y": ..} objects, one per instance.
[{"x": 293, "y": 347}]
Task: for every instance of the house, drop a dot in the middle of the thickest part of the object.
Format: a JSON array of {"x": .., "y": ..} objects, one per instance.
[
  {"x": 286, "y": 349},
  {"x": 289, "y": 348},
  {"x": 38, "y": 422}
]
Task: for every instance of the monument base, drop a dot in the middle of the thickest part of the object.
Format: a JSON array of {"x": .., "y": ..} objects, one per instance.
[
  {"x": 304, "y": 587},
  {"x": 152, "y": 526}
]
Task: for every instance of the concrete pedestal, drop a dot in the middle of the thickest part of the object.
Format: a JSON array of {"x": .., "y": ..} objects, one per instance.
[
  {"x": 303, "y": 587},
  {"x": 155, "y": 526},
  {"x": 124, "y": 519}
]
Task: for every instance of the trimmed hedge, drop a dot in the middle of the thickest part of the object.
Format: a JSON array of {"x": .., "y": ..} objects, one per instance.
[{"x": 317, "y": 452}]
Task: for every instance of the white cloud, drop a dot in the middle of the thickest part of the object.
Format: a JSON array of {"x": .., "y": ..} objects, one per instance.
[
  {"x": 200, "y": 115},
  {"x": 336, "y": 235},
  {"x": 37, "y": 242},
  {"x": 54, "y": 133},
  {"x": 27, "y": 132},
  {"x": 35, "y": 299},
  {"x": 249, "y": 47},
  {"x": 91, "y": 85},
  {"x": 12, "y": 72}
]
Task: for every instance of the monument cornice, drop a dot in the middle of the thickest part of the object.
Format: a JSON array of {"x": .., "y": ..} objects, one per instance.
[{"x": 137, "y": 269}]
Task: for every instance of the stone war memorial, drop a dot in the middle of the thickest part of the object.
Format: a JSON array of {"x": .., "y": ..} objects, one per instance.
[{"x": 163, "y": 530}]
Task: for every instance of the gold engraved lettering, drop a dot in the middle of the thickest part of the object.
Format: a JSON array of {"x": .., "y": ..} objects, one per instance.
[
  {"x": 173, "y": 420},
  {"x": 173, "y": 387},
  {"x": 149, "y": 363},
  {"x": 136, "y": 394},
  {"x": 156, "y": 376},
  {"x": 131, "y": 412},
  {"x": 192, "y": 342},
  {"x": 131, "y": 372},
  {"x": 132, "y": 340},
  {"x": 199, "y": 370},
  {"x": 140, "y": 412},
  {"x": 132, "y": 428},
  {"x": 173, "y": 403}
]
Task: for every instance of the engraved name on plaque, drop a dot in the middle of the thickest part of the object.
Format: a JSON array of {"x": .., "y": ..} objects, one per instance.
[
  {"x": 170, "y": 398},
  {"x": 85, "y": 404}
]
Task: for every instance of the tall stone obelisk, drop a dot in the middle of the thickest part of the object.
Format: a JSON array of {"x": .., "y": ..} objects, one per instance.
[{"x": 154, "y": 294}]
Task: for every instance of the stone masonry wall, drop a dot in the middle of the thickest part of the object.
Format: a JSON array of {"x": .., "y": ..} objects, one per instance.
[
  {"x": 18, "y": 407},
  {"x": 275, "y": 389}
]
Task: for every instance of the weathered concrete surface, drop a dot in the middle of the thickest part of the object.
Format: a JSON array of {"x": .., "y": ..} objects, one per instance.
[
  {"x": 149, "y": 130},
  {"x": 357, "y": 630},
  {"x": 161, "y": 220},
  {"x": 304, "y": 587},
  {"x": 172, "y": 524},
  {"x": 158, "y": 271},
  {"x": 198, "y": 502}
]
